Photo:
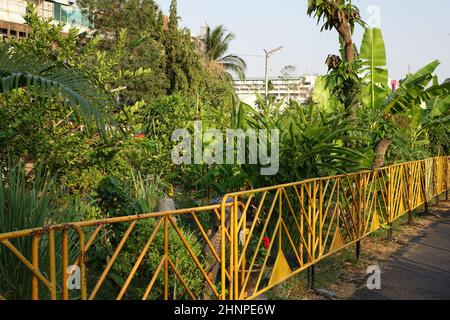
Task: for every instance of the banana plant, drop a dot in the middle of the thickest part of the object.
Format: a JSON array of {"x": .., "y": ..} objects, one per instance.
[
  {"x": 427, "y": 106},
  {"x": 373, "y": 56},
  {"x": 412, "y": 90},
  {"x": 433, "y": 112},
  {"x": 420, "y": 97},
  {"x": 323, "y": 97}
]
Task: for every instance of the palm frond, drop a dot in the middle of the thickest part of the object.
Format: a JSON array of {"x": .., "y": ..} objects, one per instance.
[
  {"x": 49, "y": 80},
  {"x": 217, "y": 42},
  {"x": 235, "y": 64}
]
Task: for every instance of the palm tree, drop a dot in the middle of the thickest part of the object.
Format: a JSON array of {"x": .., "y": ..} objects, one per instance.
[{"x": 216, "y": 43}]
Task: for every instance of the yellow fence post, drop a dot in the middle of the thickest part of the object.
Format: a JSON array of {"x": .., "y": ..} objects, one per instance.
[
  {"x": 65, "y": 264},
  {"x": 447, "y": 177},
  {"x": 235, "y": 240},
  {"x": 425, "y": 185},
  {"x": 390, "y": 203},
  {"x": 410, "y": 192},
  {"x": 35, "y": 262},
  {"x": 52, "y": 258},
  {"x": 436, "y": 182},
  {"x": 166, "y": 257},
  {"x": 231, "y": 258},
  {"x": 359, "y": 215},
  {"x": 223, "y": 265}
]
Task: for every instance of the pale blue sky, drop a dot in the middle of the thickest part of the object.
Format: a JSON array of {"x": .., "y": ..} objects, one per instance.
[{"x": 415, "y": 32}]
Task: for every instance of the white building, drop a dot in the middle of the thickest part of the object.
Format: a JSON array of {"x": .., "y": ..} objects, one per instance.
[
  {"x": 298, "y": 89},
  {"x": 12, "y": 23}
]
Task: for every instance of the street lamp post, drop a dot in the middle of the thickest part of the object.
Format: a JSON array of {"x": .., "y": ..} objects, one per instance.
[{"x": 268, "y": 54}]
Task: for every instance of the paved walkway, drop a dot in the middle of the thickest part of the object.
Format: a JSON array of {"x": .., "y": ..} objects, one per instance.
[{"x": 421, "y": 270}]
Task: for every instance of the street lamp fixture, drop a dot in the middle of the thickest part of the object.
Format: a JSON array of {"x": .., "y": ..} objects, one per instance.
[{"x": 268, "y": 55}]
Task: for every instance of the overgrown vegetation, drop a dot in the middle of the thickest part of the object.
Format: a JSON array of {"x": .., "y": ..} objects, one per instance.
[{"x": 97, "y": 111}]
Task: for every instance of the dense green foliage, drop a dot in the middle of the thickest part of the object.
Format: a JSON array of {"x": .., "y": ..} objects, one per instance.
[
  {"x": 407, "y": 116},
  {"x": 98, "y": 111},
  {"x": 156, "y": 44},
  {"x": 182, "y": 261}
]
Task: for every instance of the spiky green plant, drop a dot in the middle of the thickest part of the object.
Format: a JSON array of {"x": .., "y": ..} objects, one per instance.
[
  {"x": 28, "y": 202},
  {"x": 147, "y": 191}
]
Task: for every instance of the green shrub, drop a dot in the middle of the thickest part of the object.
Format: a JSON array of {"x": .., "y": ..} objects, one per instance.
[
  {"x": 178, "y": 253},
  {"x": 440, "y": 140},
  {"x": 147, "y": 192},
  {"x": 116, "y": 198}
]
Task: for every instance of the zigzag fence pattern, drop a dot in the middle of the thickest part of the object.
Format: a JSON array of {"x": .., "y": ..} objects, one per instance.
[{"x": 251, "y": 242}]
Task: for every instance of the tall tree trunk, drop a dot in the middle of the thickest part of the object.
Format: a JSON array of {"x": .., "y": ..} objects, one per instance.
[
  {"x": 346, "y": 34},
  {"x": 352, "y": 98},
  {"x": 351, "y": 89},
  {"x": 380, "y": 153}
]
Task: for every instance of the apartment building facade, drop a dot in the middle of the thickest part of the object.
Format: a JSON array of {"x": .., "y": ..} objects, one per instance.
[
  {"x": 12, "y": 23},
  {"x": 299, "y": 89}
]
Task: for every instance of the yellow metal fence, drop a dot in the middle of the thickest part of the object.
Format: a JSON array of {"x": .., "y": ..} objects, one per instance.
[{"x": 251, "y": 242}]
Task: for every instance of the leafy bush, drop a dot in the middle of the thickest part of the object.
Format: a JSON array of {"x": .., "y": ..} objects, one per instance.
[
  {"x": 147, "y": 192},
  {"x": 440, "y": 140},
  {"x": 177, "y": 252},
  {"x": 114, "y": 197}
]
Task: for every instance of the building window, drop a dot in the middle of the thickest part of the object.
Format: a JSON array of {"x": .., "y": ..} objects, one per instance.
[{"x": 71, "y": 15}]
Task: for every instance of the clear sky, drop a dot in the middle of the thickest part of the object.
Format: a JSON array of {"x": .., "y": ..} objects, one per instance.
[{"x": 415, "y": 31}]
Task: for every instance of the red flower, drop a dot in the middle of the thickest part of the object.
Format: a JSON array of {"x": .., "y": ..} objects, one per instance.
[
  {"x": 139, "y": 136},
  {"x": 266, "y": 242}
]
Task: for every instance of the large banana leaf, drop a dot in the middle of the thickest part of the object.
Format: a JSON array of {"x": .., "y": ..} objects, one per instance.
[
  {"x": 440, "y": 108},
  {"x": 436, "y": 90},
  {"x": 323, "y": 98},
  {"x": 411, "y": 90},
  {"x": 373, "y": 55}
]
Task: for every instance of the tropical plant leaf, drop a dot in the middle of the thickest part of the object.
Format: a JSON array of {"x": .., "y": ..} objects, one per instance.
[
  {"x": 440, "y": 108},
  {"x": 411, "y": 90},
  {"x": 322, "y": 96},
  {"x": 49, "y": 80},
  {"x": 217, "y": 42},
  {"x": 373, "y": 55}
]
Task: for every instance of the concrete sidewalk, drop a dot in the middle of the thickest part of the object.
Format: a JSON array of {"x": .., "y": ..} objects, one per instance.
[{"x": 421, "y": 270}]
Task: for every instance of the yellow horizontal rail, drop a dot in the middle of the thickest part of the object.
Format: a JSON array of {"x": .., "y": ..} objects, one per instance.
[
  {"x": 252, "y": 241},
  {"x": 307, "y": 221}
]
